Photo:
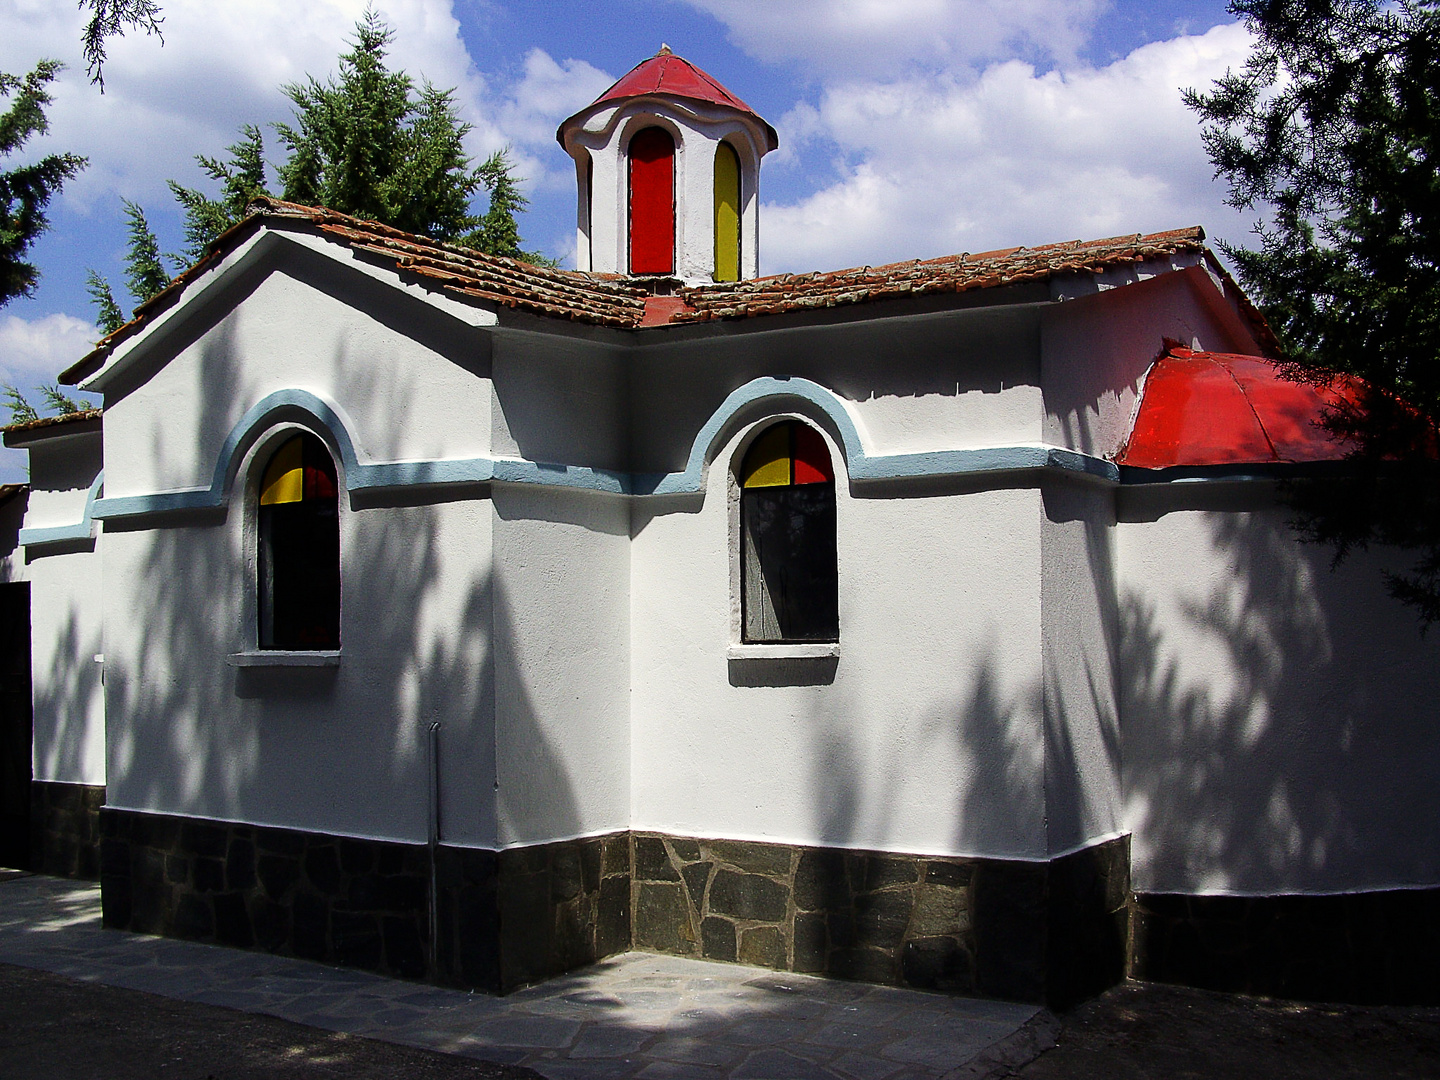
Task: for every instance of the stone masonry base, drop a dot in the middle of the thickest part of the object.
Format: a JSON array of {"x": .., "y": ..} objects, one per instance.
[
  {"x": 1364, "y": 948},
  {"x": 65, "y": 829},
  {"x": 1054, "y": 933},
  {"x": 1049, "y": 933},
  {"x": 1041, "y": 932}
]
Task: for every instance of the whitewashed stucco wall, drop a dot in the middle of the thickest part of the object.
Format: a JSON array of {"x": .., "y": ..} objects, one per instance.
[
  {"x": 952, "y": 380},
  {"x": 414, "y": 383},
  {"x": 1279, "y": 719},
  {"x": 928, "y": 735},
  {"x": 1078, "y": 633},
  {"x": 66, "y": 589},
  {"x": 562, "y": 644},
  {"x": 328, "y": 750}
]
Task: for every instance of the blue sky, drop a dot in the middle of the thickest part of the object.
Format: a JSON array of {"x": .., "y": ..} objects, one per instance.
[{"x": 908, "y": 128}]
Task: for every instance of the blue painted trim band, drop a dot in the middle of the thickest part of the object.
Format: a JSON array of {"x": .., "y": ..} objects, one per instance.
[
  {"x": 761, "y": 396},
  {"x": 84, "y": 529},
  {"x": 754, "y": 400}
]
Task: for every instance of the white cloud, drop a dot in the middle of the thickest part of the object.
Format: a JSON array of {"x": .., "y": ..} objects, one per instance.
[
  {"x": 930, "y": 165},
  {"x": 528, "y": 113},
  {"x": 847, "y": 38},
  {"x": 222, "y": 65},
  {"x": 33, "y": 352}
]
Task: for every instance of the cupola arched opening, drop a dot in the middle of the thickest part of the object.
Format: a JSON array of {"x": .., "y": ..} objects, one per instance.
[
  {"x": 727, "y": 213},
  {"x": 652, "y": 202},
  {"x": 299, "y": 541},
  {"x": 788, "y": 568}
]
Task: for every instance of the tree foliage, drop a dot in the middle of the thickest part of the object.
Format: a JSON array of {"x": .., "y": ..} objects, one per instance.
[
  {"x": 109, "y": 18},
  {"x": 26, "y": 190},
  {"x": 242, "y": 178},
  {"x": 365, "y": 144},
  {"x": 1333, "y": 129}
]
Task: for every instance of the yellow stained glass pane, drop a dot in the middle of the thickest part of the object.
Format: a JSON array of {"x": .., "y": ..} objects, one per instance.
[
  {"x": 727, "y": 213},
  {"x": 284, "y": 480},
  {"x": 767, "y": 462}
]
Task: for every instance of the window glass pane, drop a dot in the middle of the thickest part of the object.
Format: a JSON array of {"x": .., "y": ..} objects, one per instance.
[
  {"x": 789, "y": 581},
  {"x": 284, "y": 476},
  {"x": 767, "y": 463},
  {"x": 788, "y": 571},
  {"x": 299, "y": 564},
  {"x": 812, "y": 456}
]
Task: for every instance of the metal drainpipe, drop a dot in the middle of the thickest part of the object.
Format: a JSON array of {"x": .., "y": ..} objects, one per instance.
[{"x": 433, "y": 756}]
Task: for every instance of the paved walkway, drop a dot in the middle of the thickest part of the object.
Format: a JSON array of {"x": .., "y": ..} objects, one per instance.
[{"x": 636, "y": 1015}]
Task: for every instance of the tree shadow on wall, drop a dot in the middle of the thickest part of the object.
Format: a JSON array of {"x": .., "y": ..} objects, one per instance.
[
  {"x": 1279, "y": 723},
  {"x": 1280, "y": 738}
]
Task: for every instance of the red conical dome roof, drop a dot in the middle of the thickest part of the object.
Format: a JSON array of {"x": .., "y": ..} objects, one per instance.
[
  {"x": 669, "y": 75},
  {"x": 666, "y": 73}
]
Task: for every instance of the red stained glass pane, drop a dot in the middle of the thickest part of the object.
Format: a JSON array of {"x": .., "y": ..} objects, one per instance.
[
  {"x": 320, "y": 479},
  {"x": 652, "y": 202},
  {"x": 812, "y": 457}
]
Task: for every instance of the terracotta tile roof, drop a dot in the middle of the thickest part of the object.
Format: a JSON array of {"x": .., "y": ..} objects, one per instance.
[
  {"x": 616, "y": 301},
  {"x": 601, "y": 299},
  {"x": 598, "y": 299},
  {"x": 953, "y": 273},
  {"x": 43, "y": 422}
]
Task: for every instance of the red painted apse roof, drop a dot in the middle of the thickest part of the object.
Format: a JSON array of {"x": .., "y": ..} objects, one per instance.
[{"x": 1203, "y": 408}]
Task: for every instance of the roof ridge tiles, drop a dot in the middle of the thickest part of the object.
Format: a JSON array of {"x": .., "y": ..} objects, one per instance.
[{"x": 617, "y": 301}]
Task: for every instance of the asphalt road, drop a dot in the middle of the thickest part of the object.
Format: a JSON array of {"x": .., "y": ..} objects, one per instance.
[{"x": 57, "y": 1028}]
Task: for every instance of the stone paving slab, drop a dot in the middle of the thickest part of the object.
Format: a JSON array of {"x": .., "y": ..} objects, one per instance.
[{"x": 636, "y": 1015}]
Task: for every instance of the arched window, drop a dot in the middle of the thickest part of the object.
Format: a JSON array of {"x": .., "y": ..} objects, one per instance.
[
  {"x": 789, "y": 584},
  {"x": 727, "y": 213},
  {"x": 652, "y": 202},
  {"x": 299, "y": 565}
]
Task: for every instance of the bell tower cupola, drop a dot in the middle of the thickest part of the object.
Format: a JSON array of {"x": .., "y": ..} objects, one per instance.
[{"x": 667, "y": 162}]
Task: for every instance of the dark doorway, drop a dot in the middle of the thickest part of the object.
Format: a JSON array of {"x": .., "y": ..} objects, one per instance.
[{"x": 16, "y": 725}]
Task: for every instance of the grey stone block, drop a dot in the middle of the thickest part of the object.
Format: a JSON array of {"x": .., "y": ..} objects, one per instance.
[
  {"x": 753, "y": 858},
  {"x": 652, "y": 861},
  {"x": 866, "y": 965},
  {"x": 748, "y": 896},
  {"x": 662, "y": 919},
  {"x": 717, "y": 938},
  {"x": 938, "y": 963},
  {"x": 696, "y": 875},
  {"x": 763, "y": 946},
  {"x": 322, "y": 867},
  {"x": 612, "y": 917},
  {"x": 820, "y": 880},
  {"x": 940, "y": 909},
  {"x": 955, "y": 874},
  {"x": 883, "y": 872},
  {"x": 685, "y": 849},
  {"x": 277, "y": 874},
  {"x": 881, "y": 918},
  {"x": 566, "y": 881},
  {"x": 810, "y": 943}
]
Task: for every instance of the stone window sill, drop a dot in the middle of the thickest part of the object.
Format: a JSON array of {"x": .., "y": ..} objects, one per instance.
[
  {"x": 285, "y": 658},
  {"x": 807, "y": 650}
]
